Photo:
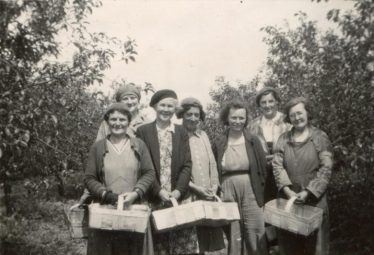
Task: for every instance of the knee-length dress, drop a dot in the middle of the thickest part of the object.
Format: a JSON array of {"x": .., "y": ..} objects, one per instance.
[{"x": 305, "y": 166}]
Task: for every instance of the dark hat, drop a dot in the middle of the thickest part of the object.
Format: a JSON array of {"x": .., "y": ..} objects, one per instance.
[
  {"x": 127, "y": 89},
  {"x": 265, "y": 90},
  {"x": 161, "y": 94},
  {"x": 186, "y": 104}
]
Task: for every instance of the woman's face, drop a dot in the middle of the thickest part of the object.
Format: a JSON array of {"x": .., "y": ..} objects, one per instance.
[
  {"x": 237, "y": 119},
  {"x": 298, "y": 116},
  {"x": 165, "y": 109},
  {"x": 118, "y": 123},
  {"x": 132, "y": 102},
  {"x": 268, "y": 106},
  {"x": 191, "y": 118}
]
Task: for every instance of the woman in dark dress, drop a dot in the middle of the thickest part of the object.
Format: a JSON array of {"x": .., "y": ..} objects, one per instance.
[{"x": 170, "y": 152}]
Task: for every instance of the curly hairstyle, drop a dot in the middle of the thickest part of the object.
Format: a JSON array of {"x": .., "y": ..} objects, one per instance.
[
  {"x": 186, "y": 107},
  {"x": 295, "y": 101},
  {"x": 117, "y": 107},
  {"x": 225, "y": 111}
]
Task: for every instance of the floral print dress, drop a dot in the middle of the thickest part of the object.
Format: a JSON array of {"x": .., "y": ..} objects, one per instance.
[{"x": 182, "y": 241}]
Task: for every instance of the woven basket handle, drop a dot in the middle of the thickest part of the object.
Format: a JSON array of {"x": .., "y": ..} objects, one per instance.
[
  {"x": 174, "y": 201},
  {"x": 121, "y": 198},
  {"x": 217, "y": 198},
  {"x": 75, "y": 206},
  {"x": 289, "y": 204}
]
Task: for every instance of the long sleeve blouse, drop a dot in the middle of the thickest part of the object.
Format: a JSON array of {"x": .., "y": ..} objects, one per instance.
[{"x": 303, "y": 165}]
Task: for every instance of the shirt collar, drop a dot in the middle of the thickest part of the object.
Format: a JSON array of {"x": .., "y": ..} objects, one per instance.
[
  {"x": 196, "y": 133},
  {"x": 170, "y": 128},
  {"x": 274, "y": 120}
]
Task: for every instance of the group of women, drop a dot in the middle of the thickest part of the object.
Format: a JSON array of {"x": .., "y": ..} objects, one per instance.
[{"x": 251, "y": 163}]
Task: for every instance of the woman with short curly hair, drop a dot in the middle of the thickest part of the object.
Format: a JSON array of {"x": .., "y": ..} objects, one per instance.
[{"x": 242, "y": 170}]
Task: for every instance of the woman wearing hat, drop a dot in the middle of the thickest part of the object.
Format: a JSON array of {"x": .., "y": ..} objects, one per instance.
[
  {"x": 170, "y": 152},
  {"x": 204, "y": 181},
  {"x": 118, "y": 164},
  {"x": 268, "y": 127},
  {"x": 130, "y": 95},
  {"x": 242, "y": 169},
  {"x": 302, "y": 168}
]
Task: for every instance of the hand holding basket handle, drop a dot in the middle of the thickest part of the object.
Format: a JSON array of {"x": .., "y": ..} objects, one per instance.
[{"x": 125, "y": 200}]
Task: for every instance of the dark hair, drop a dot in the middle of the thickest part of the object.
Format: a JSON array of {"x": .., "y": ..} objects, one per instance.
[
  {"x": 186, "y": 107},
  {"x": 295, "y": 101},
  {"x": 117, "y": 109},
  {"x": 225, "y": 111},
  {"x": 266, "y": 91}
]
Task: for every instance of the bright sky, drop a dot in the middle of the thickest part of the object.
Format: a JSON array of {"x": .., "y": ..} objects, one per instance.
[{"x": 185, "y": 45}]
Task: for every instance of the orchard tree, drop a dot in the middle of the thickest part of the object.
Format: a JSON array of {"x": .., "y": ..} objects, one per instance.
[{"x": 48, "y": 118}]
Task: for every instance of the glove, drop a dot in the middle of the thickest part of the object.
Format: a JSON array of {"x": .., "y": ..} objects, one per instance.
[{"x": 110, "y": 198}]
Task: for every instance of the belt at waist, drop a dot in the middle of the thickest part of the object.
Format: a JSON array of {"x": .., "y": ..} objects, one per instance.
[{"x": 234, "y": 172}]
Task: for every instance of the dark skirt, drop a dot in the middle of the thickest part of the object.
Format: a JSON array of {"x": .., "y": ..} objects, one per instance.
[{"x": 107, "y": 242}]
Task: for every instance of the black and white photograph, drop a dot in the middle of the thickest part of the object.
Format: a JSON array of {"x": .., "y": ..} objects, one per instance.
[{"x": 172, "y": 127}]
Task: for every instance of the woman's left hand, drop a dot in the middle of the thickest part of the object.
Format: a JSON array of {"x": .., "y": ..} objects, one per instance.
[
  {"x": 176, "y": 194},
  {"x": 129, "y": 198},
  {"x": 302, "y": 197}
]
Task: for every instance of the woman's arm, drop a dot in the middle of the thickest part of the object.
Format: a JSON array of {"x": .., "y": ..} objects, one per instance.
[
  {"x": 184, "y": 176},
  {"x": 91, "y": 178},
  {"x": 147, "y": 172},
  {"x": 280, "y": 174},
  {"x": 317, "y": 186}
]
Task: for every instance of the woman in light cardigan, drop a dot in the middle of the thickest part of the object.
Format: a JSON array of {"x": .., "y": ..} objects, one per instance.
[{"x": 204, "y": 180}]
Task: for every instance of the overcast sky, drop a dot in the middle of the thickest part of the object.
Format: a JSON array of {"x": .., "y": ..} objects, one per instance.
[{"x": 185, "y": 45}]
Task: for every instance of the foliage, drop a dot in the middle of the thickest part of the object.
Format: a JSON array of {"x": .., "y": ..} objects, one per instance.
[{"x": 48, "y": 117}]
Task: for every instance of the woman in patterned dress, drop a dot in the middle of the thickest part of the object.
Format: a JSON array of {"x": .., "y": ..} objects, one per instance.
[
  {"x": 170, "y": 152},
  {"x": 119, "y": 164},
  {"x": 204, "y": 181},
  {"x": 302, "y": 167},
  {"x": 242, "y": 169}
]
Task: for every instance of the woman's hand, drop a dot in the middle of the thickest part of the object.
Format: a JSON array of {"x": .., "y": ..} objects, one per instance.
[
  {"x": 129, "y": 198},
  {"x": 204, "y": 193},
  {"x": 164, "y": 195},
  {"x": 302, "y": 197},
  {"x": 288, "y": 192},
  {"x": 176, "y": 194}
]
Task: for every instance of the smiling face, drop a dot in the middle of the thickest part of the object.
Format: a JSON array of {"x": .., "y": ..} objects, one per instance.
[
  {"x": 131, "y": 101},
  {"x": 237, "y": 119},
  {"x": 118, "y": 123},
  {"x": 298, "y": 116},
  {"x": 191, "y": 119},
  {"x": 268, "y": 106},
  {"x": 165, "y": 109}
]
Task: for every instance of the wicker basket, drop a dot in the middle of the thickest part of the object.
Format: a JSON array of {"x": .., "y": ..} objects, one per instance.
[
  {"x": 133, "y": 219},
  {"x": 219, "y": 213},
  {"x": 76, "y": 217},
  {"x": 196, "y": 213},
  {"x": 298, "y": 219}
]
